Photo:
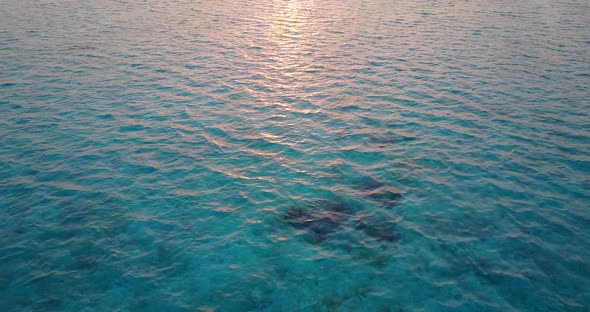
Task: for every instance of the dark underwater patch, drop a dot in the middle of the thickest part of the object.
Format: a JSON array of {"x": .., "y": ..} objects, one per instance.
[
  {"x": 380, "y": 230},
  {"x": 319, "y": 219},
  {"x": 383, "y": 140},
  {"x": 378, "y": 192},
  {"x": 367, "y": 184},
  {"x": 387, "y": 198},
  {"x": 105, "y": 116},
  {"x": 334, "y": 205},
  {"x": 324, "y": 218}
]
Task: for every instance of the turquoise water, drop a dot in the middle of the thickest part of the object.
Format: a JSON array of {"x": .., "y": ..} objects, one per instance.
[{"x": 295, "y": 155}]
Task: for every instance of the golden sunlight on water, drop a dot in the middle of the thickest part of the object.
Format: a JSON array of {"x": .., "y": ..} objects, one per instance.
[{"x": 285, "y": 51}]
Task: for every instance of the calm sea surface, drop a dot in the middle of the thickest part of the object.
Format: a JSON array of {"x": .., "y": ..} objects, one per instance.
[{"x": 295, "y": 155}]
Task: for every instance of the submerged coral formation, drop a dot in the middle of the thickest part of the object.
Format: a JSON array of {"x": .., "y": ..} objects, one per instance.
[
  {"x": 320, "y": 219},
  {"x": 378, "y": 192},
  {"x": 324, "y": 218}
]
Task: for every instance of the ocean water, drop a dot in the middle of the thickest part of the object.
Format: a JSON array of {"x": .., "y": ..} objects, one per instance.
[{"x": 295, "y": 155}]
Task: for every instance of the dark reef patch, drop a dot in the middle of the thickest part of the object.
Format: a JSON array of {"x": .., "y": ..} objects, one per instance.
[
  {"x": 380, "y": 230},
  {"x": 320, "y": 219},
  {"x": 367, "y": 184},
  {"x": 377, "y": 191},
  {"x": 388, "y": 139},
  {"x": 387, "y": 198},
  {"x": 333, "y": 205}
]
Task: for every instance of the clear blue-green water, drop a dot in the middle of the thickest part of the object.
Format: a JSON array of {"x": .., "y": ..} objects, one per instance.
[{"x": 295, "y": 155}]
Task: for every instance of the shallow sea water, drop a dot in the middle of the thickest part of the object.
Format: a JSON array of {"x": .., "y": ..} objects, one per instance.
[{"x": 295, "y": 155}]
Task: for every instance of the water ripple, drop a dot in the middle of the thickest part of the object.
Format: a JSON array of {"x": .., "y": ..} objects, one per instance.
[{"x": 294, "y": 155}]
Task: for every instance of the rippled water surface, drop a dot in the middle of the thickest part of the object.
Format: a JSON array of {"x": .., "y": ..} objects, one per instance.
[{"x": 295, "y": 155}]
